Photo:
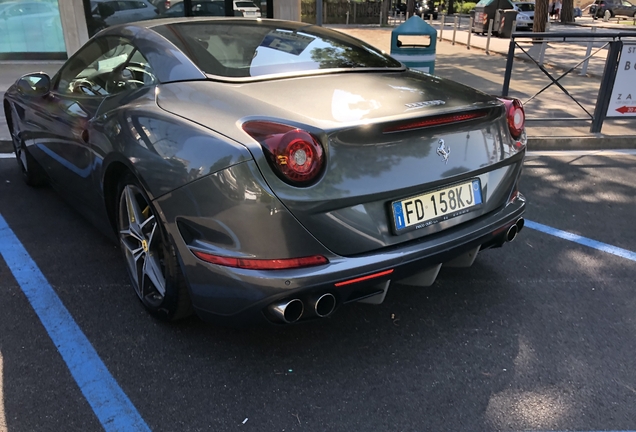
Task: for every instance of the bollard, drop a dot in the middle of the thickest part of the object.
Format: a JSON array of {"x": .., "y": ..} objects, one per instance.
[
  {"x": 588, "y": 51},
  {"x": 514, "y": 28},
  {"x": 544, "y": 45},
  {"x": 470, "y": 31},
  {"x": 490, "y": 23},
  {"x": 454, "y": 29},
  {"x": 380, "y": 18},
  {"x": 441, "y": 28},
  {"x": 430, "y": 19},
  {"x": 347, "y": 17}
]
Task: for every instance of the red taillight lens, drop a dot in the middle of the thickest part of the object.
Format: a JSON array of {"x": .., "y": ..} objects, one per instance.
[
  {"x": 296, "y": 156},
  {"x": 167, "y": 4},
  {"x": 262, "y": 264},
  {"x": 436, "y": 121},
  {"x": 516, "y": 117}
]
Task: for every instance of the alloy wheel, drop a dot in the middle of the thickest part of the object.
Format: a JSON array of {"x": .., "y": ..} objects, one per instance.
[{"x": 142, "y": 246}]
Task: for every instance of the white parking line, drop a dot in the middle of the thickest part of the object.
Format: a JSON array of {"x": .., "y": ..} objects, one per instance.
[{"x": 7, "y": 155}]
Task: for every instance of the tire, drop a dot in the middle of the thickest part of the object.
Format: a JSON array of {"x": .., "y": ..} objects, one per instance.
[
  {"x": 32, "y": 173},
  {"x": 151, "y": 259}
]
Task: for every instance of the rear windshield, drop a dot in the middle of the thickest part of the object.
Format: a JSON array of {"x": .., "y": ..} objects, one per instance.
[
  {"x": 245, "y": 4},
  {"x": 525, "y": 7},
  {"x": 237, "y": 49}
]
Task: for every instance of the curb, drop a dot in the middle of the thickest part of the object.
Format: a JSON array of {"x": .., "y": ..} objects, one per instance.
[
  {"x": 600, "y": 142},
  {"x": 538, "y": 143}
]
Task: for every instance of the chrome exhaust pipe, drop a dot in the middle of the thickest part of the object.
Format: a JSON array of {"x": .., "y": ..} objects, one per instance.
[
  {"x": 325, "y": 305},
  {"x": 511, "y": 233},
  {"x": 288, "y": 311},
  {"x": 520, "y": 223}
]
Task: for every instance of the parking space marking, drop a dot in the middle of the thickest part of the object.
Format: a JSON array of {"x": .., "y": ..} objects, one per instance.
[
  {"x": 7, "y": 155},
  {"x": 108, "y": 401},
  {"x": 623, "y": 253}
]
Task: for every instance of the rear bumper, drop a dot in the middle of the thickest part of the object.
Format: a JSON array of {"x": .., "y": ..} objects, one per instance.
[{"x": 239, "y": 297}]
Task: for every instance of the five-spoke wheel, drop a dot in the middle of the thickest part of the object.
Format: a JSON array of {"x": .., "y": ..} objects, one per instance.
[{"x": 151, "y": 260}]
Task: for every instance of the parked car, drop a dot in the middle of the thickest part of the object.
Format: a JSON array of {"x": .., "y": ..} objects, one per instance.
[
  {"x": 525, "y": 17},
  {"x": 125, "y": 11},
  {"x": 247, "y": 9},
  {"x": 269, "y": 170},
  {"x": 400, "y": 8},
  {"x": 199, "y": 8},
  {"x": 426, "y": 9},
  {"x": 607, "y": 9}
]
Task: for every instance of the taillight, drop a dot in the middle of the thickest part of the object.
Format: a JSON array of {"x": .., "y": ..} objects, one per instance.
[
  {"x": 167, "y": 4},
  {"x": 295, "y": 155},
  {"x": 516, "y": 117},
  {"x": 439, "y": 120},
  {"x": 262, "y": 264}
]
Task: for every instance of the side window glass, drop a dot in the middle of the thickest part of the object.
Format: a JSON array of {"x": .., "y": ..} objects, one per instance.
[
  {"x": 106, "y": 66},
  {"x": 126, "y": 5}
]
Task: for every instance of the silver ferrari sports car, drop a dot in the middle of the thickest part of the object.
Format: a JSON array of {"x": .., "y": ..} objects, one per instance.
[{"x": 263, "y": 169}]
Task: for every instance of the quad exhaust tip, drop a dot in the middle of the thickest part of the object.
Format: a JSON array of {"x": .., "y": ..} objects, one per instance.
[
  {"x": 325, "y": 305},
  {"x": 288, "y": 311}
]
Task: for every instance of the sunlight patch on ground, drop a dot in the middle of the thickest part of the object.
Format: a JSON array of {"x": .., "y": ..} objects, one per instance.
[{"x": 539, "y": 409}]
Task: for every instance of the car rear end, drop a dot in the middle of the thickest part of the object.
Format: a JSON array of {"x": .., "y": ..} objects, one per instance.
[
  {"x": 359, "y": 178},
  {"x": 248, "y": 9}
]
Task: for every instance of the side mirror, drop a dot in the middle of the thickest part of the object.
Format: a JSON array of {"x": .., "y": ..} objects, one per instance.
[{"x": 34, "y": 84}]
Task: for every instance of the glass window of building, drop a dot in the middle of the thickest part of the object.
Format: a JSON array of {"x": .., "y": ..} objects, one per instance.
[
  {"x": 31, "y": 29},
  {"x": 104, "y": 13}
]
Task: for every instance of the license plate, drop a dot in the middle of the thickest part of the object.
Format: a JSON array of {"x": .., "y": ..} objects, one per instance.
[{"x": 423, "y": 210}]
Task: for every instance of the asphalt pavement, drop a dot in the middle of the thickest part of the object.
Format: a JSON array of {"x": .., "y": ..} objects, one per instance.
[{"x": 537, "y": 335}]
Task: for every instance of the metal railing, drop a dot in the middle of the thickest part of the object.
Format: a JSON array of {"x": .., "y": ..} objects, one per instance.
[{"x": 612, "y": 42}]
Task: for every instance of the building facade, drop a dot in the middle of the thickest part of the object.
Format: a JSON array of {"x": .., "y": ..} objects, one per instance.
[{"x": 55, "y": 29}]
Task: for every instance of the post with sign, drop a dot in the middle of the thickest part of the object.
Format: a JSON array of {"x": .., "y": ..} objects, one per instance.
[
  {"x": 617, "y": 95},
  {"x": 623, "y": 101}
]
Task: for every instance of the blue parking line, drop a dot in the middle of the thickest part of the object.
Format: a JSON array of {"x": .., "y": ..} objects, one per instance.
[
  {"x": 109, "y": 402},
  {"x": 623, "y": 253}
]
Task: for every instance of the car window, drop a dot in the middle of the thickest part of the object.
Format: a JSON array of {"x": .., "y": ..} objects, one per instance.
[
  {"x": 244, "y": 4},
  {"x": 105, "y": 66},
  {"x": 245, "y": 50},
  {"x": 525, "y": 7}
]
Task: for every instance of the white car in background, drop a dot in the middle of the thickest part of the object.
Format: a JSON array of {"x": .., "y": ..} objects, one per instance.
[
  {"x": 525, "y": 17},
  {"x": 247, "y": 8}
]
